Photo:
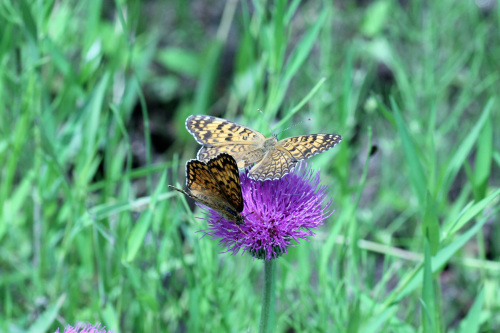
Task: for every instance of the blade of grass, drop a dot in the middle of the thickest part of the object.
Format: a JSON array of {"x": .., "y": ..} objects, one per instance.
[
  {"x": 417, "y": 175},
  {"x": 46, "y": 319},
  {"x": 472, "y": 322},
  {"x": 464, "y": 148},
  {"x": 443, "y": 256},
  {"x": 483, "y": 160},
  {"x": 138, "y": 233},
  {"x": 430, "y": 224},
  {"x": 296, "y": 108},
  {"x": 303, "y": 49},
  {"x": 428, "y": 297},
  {"x": 468, "y": 215},
  {"x": 410, "y": 282}
]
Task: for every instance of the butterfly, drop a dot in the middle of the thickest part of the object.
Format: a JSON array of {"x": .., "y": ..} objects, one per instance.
[
  {"x": 216, "y": 184},
  {"x": 272, "y": 158}
]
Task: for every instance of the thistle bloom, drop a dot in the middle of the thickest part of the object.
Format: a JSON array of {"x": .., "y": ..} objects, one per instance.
[
  {"x": 82, "y": 328},
  {"x": 277, "y": 213}
]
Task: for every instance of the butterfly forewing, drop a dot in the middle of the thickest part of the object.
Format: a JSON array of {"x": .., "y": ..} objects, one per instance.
[
  {"x": 201, "y": 183},
  {"x": 216, "y": 185},
  {"x": 282, "y": 158},
  {"x": 305, "y": 146},
  {"x": 213, "y": 131},
  {"x": 225, "y": 171}
]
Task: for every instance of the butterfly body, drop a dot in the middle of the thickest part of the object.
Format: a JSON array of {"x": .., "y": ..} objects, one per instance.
[
  {"x": 216, "y": 184},
  {"x": 272, "y": 158}
]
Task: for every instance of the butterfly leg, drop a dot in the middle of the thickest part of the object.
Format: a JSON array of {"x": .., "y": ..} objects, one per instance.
[{"x": 220, "y": 219}]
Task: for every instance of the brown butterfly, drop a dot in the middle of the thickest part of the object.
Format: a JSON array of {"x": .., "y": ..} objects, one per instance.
[
  {"x": 272, "y": 158},
  {"x": 216, "y": 184}
]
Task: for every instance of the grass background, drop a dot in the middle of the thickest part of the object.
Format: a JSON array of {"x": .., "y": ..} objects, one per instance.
[{"x": 94, "y": 95}]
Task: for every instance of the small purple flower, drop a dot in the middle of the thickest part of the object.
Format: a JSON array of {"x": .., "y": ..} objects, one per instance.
[
  {"x": 82, "y": 328},
  {"x": 276, "y": 213}
]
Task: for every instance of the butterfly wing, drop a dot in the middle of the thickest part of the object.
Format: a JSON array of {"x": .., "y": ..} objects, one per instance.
[
  {"x": 225, "y": 172},
  {"x": 282, "y": 158},
  {"x": 201, "y": 185},
  {"x": 219, "y": 135},
  {"x": 200, "y": 198},
  {"x": 305, "y": 146},
  {"x": 275, "y": 164},
  {"x": 212, "y": 131},
  {"x": 204, "y": 188}
]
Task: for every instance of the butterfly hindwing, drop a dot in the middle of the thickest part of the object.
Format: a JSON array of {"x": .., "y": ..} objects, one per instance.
[
  {"x": 238, "y": 152},
  {"x": 275, "y": 164}
]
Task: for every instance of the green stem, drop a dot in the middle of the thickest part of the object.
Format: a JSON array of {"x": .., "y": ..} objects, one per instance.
[{"x": 267, "y": 314}]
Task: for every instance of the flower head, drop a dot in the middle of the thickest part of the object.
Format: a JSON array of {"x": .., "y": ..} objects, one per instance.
[
  {"x": 82, "y": 328},
  {"x": 277, "y": 212}
]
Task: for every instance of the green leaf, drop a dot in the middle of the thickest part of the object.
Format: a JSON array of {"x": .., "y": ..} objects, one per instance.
[
  {"x": 180, "y": 61},
  {"x": 442, "y": 257},
  {"x": 60, "y": 61},
  {"x": 207, "y": 78},
  {"x": 138, "y": 234},
  {"x": 469, "y": 214},
  {"x": 303, "y": 48},
  {"x": 428, "y": 297},
  {"x": 296, "y": 108},
  {"x": 142, "y": 225},
  {"x": 471, "y": 323},
  {"x": 376, "y": 17},
  {"x": 430, "y": 224},
  {"x": 483, "y": 160},
  {"x": 417, "y": 175},
  {"x": 465, "y": 147},
  {"x": 110, "y": 317},
  {"x": 29, "y": 21},
  {"x": 46, "y": 319},
  {"x": 93, "y": 113},
  {"x": 354, "y": 317}
]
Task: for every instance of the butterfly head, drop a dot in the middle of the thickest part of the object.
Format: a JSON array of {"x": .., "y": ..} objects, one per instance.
[
  {"x": 234, "y": 216},
  {"x": 240, "y": 219},
  {"x": 270, "y": 142}
]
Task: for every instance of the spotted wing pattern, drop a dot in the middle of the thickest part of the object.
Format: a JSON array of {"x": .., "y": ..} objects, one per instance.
[
  {"x": 219, "y": 135},
  {"x": 247, "y": 146},
  {"x": 216, "y": 184},
  {"x": 275, "y": 164},
  {"x": 282, "y": 158},
  {"x": 225, "y": 171},
  {"x": 305, "y": 146}
]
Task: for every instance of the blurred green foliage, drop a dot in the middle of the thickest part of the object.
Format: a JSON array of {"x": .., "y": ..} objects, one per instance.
[{"x": 94, "y": 95}]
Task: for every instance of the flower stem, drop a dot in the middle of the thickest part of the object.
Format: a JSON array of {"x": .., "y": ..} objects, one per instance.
[{"x": 267, "y": 314}]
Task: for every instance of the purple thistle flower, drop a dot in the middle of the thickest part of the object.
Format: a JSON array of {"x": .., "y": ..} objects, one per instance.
[
  {"x": 82, "y": 328},
  {"x": 276, "y": 213}
]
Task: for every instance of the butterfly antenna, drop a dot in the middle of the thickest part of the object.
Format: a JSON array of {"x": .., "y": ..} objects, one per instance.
[
  {"x": 296, "y": 124},
  {"x": 268, "y": 125},
  {"x": 249, "y": 213}
]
